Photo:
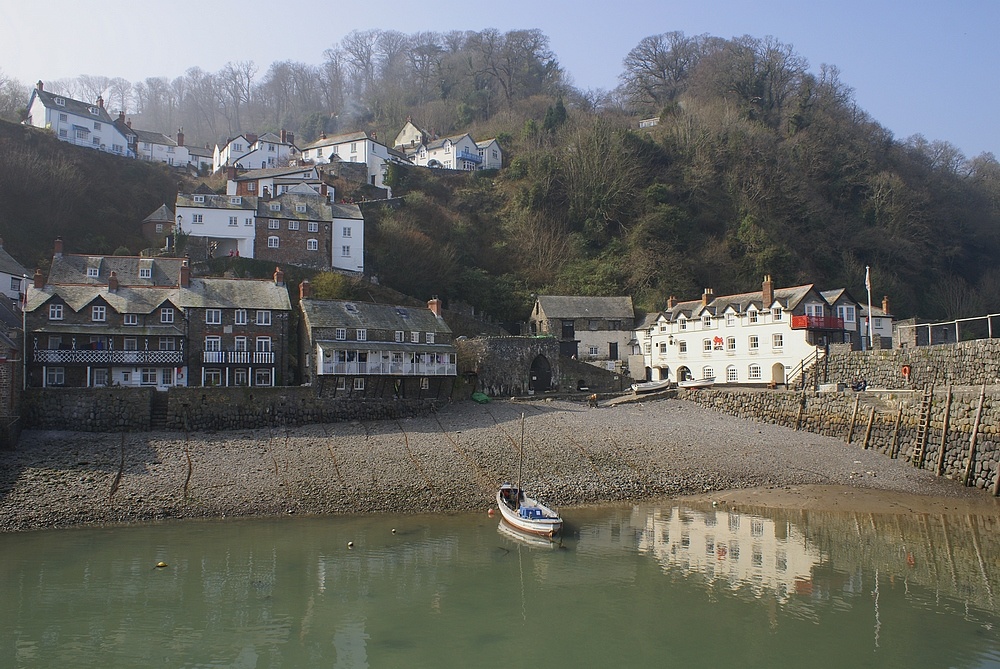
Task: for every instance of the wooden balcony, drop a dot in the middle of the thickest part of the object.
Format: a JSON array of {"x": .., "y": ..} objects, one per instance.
[
  {"x": 108, "y": 358},
  {"x": 817, "y": 323},
  {"x": 237, "y": 357}
]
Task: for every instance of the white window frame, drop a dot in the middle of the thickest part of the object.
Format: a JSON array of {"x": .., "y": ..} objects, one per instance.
[
  {"x": 56, "y": 312},
  {"x": 263, "y": 317},
  {"x": 273, "y": 242},
  {"x": 340, "y": 334},
  {"x": 753, "y": 343},
  {"x": 99, "y": 313},
  {"x": 213, "y": 316},
  {"x": 754, "y": 373},
  {"x": 130, "y": 319},
  {"x": 777, "y": 340},
  {"x": 312, "y": 245},
  {"x": 240, "y": 317},
  {"x": 312, "y": 226},
  {"x": 361, "y": 334}
]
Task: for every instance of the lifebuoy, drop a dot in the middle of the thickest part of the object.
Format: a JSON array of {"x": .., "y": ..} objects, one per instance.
[{"x": 906, "y": 371}]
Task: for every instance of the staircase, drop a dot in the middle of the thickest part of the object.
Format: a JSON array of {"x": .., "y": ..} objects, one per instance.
[
  {"x": 798, "y": 376},
  {"x": 158, "y": 410},
  {"x": 923, "y": 428}
]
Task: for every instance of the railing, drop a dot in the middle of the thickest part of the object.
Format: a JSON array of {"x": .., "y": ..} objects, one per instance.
[
  {"x": 797, "y": 377},
  {"x": 237, "y": 357},
  {"x": 393, "y": 368},
  {"x": 79, "y": 356},
  {"x": 471, "y": 157},
  {"x": 817, "y": 323},
  {"x": 977, "y": 327}
]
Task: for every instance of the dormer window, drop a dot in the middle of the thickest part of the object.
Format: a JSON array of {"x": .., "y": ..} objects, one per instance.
[
  {"x": 706, "y": 321},
  {"x": 301, "y": 208},
  {"x": 92, "y": 272},
  {"x": 236, "y": 199},
  {"x": 730, "y": 319},
  {"x": 199, "y": 198},
  {"x": 145, "y": 273},
  {"x": 752, "y": 315},
  {"x": 61, "y": 102},
  {"x": 275, "y": 206},
  {"x": 93, "y": 110}
]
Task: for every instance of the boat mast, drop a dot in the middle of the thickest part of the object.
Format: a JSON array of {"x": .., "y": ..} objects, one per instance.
[{"x": 520, "y": 463}]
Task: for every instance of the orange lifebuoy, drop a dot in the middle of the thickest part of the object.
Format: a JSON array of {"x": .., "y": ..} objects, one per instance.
[{"x": 906, "y": 371}]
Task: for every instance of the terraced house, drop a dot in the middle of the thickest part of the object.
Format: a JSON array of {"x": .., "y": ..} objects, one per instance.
[
  {"x": 132, "y": 321},
  {"x": 360, "y": 349}
]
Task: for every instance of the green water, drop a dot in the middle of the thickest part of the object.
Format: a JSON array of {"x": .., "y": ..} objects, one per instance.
[{"x": 638, "y": 586}]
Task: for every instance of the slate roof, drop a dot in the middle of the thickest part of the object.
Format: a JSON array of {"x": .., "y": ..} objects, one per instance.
[
  {"x": 72, "y": 269},
  {"x": 454, "y": 139},
  {"x": 199, "y": 151},
  {"x": 10, "y": 266},
  {"x": 72, "y": 106},
  {"x": 234, "y": 293},
  {"x": 214, "y": 201},
  {"x": 162, "y": 215},
  {"x": 337, "y": 139},
  {"x": 152, "y": 137},
  {"x": 130, "y": 300},
  {"x": 319, "y": 314},
  {"x": 788, "y": 298},
  {"x": 566, "y": 306},
  {"x": 270, "y": 172},
  {"x": 317, "y": 207}
]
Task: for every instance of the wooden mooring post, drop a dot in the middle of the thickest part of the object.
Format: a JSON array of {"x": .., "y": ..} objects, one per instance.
[
  {"x": 939, "y": 468},
  {"x": 868, "y": 432},
  {"x": 894, "y": 447},
  {"x": 802, "y": 406},
  {"x": 854, "y": 416},
  {"x": 975, "y": 435}
]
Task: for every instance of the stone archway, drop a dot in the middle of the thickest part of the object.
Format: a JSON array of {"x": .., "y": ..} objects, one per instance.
[
  {"x": 540, "y": 375},
  {"x": 683, "y": 374}
]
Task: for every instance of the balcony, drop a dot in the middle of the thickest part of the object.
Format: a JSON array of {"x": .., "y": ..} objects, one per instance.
[
  {"x": 237, "y": 357},
  {"x": 78, "y": 356},
  {"x": 390, "y": 368},
  {"x": 817, "y": 323},
  {"x": 471, "y": 157}
]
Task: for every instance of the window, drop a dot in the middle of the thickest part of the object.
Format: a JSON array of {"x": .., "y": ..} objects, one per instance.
[
  {"x": 814, "y": 310},
  {"x": 354, "y": 147},
  {"x": 293, "y": 225},
  {"x": 159, "y": 229},
  {"x": 63, "y": 118},
  {"x": 706, "y": 321},
  {"x": 130, "y": 344},
  {"x": 662, "y": 347},
  {"x": 707, "y": 373},
  {"x": 777, "y": 340},
  {"x": 877, "y": 322},
  {"x": 97, "y": 125},
  {"x": 776, "y": 313},
  {"x": 240, "y": 344},
  {"x": 682, "y": 347},
  {"x": 213, "y": 377},
  {"x": 362, "y": 334},
  {"x": 730, "y": 319},
  {"x": 145, "y": 272},
  {"x": 345, "y": 251},
  {"x": 754, "y": 373},
  {"x": 61, "y": 102},
  {"x": 752, "y": 315},
  {"x": 99, "y": 313},
  {"x": 240, "y": 317},
  {"x": 252, "y": 186},
  {"x": 55, "y": 376},
  {"x": 274, "y": 206},
  {"x": 359, "y": 383},
  {"x": 55, "y": 312},
  {"x": 301, "y": 208},
  {"x": 168, "y": 344},
  {"x": 272, "y": 242},
  {"x": 213, "y": 343},
  {"x": 130, "y": 319},
  {"x": 312, "y": 245},
  {"x": 732, "y": 374},
  {"x": 846, "y": 312},
  {"x": 15, "y": 284},
  {"x": 341, "y": 334},
  {"x": 429, "y": 338},
  {"x": 754, "y": 342},
  {"x": 167, "y": 376},
  {"x": 682, "y": 323},
  {"x": 240, "y": 377},
  {"x": 100, "y": 377},
  {"x": 199, "y": 198},
  {"x": 263, "y": 317},
  {"x": 263, "y": 344},
  {"x": 166, "y": 315},
  {"x": 63, "y": 133},
  {"x": 92, "y": 272},
  {"x": 425, "y": 383},
  {"x": 347, "y": 231},
  {"x": 706, "y": 345},
  {"x": 236, "y": 199},
  {"x": 730, "y": 343},
  {"x": 312, "y": 226},
  {"x": 248, "y": 221},
  {"x": 97, "y": 140},
  {"x": 273, "y": 224},
  {"x": 213, "y": 316},
  {"x": 234, "y": 221},
  {"x": 197, "y": 218},
  {"x": 399, "y": 335},
  {"x": 414, "y": 337},
  {"x": 148, "y": 377}
]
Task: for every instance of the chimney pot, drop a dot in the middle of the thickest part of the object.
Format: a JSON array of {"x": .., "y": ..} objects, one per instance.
[
  {"x": 58, "y": 250},
  {"x": 434, "y": 304},
  {"x": 185, "y": 279},
  {"x": 671, "y": 302},
  {"x": 40, "y": 86},
  {"x": 706, "y": 297},
  {"x": 113, "y": 281},
  {"x": 767, "y": 291},
  {"x": 38, "y": 280},
  {"x": 279, "y": 277},
  {"x": 885, "y": 304},
  {"x": 305, "y": 289}
]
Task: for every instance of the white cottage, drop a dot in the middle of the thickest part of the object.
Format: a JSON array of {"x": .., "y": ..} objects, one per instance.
[{"x": 76, "y": 122}]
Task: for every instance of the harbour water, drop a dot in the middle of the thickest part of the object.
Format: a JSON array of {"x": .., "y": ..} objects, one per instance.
[{"x": 630, "y": 586}]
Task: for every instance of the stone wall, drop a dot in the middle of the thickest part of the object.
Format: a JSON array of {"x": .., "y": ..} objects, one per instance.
[
  {"x": 87, "y": 409},
  {"x": 501, "y": 366},
  {"x": 129, "y": 409},
  {"x": 575, "y": 374},
  {"x": 967, "y": 363},
  {"x": 894, "y": 418}
]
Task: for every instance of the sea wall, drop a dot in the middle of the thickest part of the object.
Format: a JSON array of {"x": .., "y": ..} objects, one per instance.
[
  {"x": 967, "y": 363},
  {"x": 891, "y": 422}
]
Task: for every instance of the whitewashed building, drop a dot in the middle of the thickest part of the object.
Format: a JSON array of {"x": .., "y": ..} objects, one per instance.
[
  {"x": 248, "y": 151},
  {"x": 156, "y": 147},
  {"x": 227, "y": 222},
  {"x": 80, "y": 123},
  {"x": 354, "y": 147},
  {"x": 595, "y": 330},
  {"x": 749, "y": 338}
]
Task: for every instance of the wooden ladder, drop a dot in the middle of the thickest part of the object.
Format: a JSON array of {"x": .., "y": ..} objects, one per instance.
[{"x": 923, "y": 428}]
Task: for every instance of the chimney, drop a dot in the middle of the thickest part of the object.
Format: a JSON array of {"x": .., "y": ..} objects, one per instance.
[
  {"x": 121, "y": 116},
  {"x": 40, "y": 86},
  {"x": 305, "y": 289},
  {"x": 434, "y": 304},
  {"x": 180, "y": 136},
  {"x": 279, "y": 277},
  {"x": 185, "y": 273},
  {"x": 231, "y": 172},
  {"x": 113, "y": 281},
  {"x": 322, "y": 135},
  {"x": 251, "y": 138},
  {"x": 284, "y": 135},
  {"x": 671, "y": 302},
  {"x": 58, "y": 250},
  {"x": 129, "y": 123},
  {"x": 885, "y": 304},
  {"x": 290, "y": 137},
  {"x": 38, "y": 279},
  {"x": 767, "y": 290},
  {"x": 706, "y": 297},
  {"x": 100, "y": 102}
]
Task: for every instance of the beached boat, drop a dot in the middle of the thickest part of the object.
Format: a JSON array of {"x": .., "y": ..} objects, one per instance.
[
  {"x": 696, "y": 383},
  {"x": 650, "y": 386},
  {"x": 522, "y": 512}
]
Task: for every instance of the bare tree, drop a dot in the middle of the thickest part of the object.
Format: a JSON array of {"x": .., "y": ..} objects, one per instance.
[
  {"x": 657, "y": 69},
  {"x": 120, "y": 95},
  {"x": 235, "y": 91},
  {"x": 93, "y": 86},
  {"x": 13, "y": 98}
]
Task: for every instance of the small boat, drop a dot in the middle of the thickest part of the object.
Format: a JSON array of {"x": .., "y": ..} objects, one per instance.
[
  {"x": 650, "y": 386},
  {"x": 526, "y": 514},
  {"x": 696, "y": 383},
  {"x": 522, "y": 512}
]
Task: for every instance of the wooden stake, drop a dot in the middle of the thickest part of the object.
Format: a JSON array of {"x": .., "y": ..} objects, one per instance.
[
  {"x": 854, "y": 416},
  {"x": 894, "y": 447},
  {"x": 939, "y": 469},
  {"x": 868, "y": 432},
  {"x": 972, "y": 439}
]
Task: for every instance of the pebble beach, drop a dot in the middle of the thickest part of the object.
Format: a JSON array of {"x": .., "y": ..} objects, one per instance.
[{"x": 452, "y": 462}]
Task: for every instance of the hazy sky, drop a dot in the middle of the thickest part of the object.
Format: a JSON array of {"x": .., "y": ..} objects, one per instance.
[{"x": 917, "y": 66}]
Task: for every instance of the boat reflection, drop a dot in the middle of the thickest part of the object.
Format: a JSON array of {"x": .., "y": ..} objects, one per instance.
[{"x": 530, "y": 540}]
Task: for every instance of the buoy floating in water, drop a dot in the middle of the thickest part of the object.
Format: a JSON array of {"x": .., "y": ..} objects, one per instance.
[
  {"x": 490, "y": 512},
  {"x": 161, "y": 565},
  {"x": 394, "y": 530},
  {"x": 350, "y": 544}
]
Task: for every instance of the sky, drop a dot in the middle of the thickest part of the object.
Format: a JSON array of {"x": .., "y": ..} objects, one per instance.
[{"x": 916, "y": 66}]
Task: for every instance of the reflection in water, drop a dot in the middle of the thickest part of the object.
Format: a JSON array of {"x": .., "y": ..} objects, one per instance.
[{"x": 625, "y": 586}]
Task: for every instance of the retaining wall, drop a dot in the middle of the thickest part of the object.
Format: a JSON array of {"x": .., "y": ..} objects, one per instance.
[
  {"x": 967, "y": 363},
  {"x": 894, "y": 418}
]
